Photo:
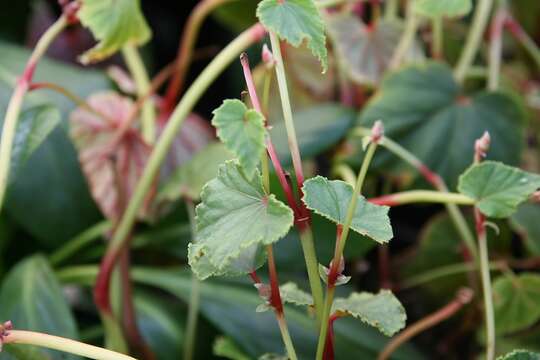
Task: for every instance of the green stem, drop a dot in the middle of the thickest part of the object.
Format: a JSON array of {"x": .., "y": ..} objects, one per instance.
[
  {"x": 438, "y": 183},
  {"x": 486, "y": 285},
  {"x": 142, "y": 81},
  {"x": 312, "y": 266},
  {"x": 62, "y": 344},
  {"x": 16, "y": 101},
  {"x": 407, "y": 39},
  {"x": 391, "y": 10},
  {"x": 495, "y": 46},
  {"x": 479, "y": 23},
  {"x": 195, "y": 296},
  {"x": 287, "y": 110},
  {"x": 340, "y": 245},
  {"x": 422, "y": 196},
  {"x": 344, "y": 172},
  {"x": 78, "y": 242},
  {"x": 522, "y": 37},
  {"x": 444, "y": 271},
  {"x": 286, "y": 336},
  {"x": 437, "y": 38}
]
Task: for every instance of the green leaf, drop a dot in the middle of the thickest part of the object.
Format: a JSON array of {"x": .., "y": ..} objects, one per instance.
[
  {"x": 366, "y": 50},
  {"x": 161, "y": 324},
  {"x": 114, "y": 23},
  {"x": 235, "y": 217},
  {"x": 296, "y": 21},
  {"x": 516, "y": 302},
  {"x": 34, "y": 126},
  {"x": 242, "y": 131},
  {"x": 424, "y": 111},
  {"x": 318, "y": 128},
  {"x": 226, "y": 348},
  {"x": 520, "y": 355},
  {"x": 233, "y": 313},
  {"x": 330, "y": 198},
  {"x": 189, "y": 179},
  {"x": 438, "y": 8},
  {"x": 525, "y": 222},
  {"x": 290, "y": 293},
  {"x": 32, "y": 299},
  {"x": 66, "y": 208},
  {"x": 498, "y": 188},
  {"x": 382, "y": 310}
]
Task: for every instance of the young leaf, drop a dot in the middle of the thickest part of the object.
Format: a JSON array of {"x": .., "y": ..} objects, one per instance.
[
  {"x": 520, "y": 355},
  {"x": 290, "y": 293},
  {"x": 114, "y": 23},
  {"x": 32, "y": 299},
  {"x": 382, "y": 310},
  {"x": 330, "y": 198},
  {"x": 498, "y": 188},
  {"x": 423, "y": 109},
  {"x": 235, "y": 216},
  {"x": 516, "y": 302},
  {"x": 295, "y": 21},
  {"x": 366, "y": 50},
  {"x": 227, "y": 348},
  {"x": 438, "y": 8},
  {"x": 34, "y": 125},
  {"x": 242, "y": 131},
  {"x": 189, "y": 179}
]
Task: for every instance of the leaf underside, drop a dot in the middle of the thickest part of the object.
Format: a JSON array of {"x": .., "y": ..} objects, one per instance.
[
  {"x": 234, "y": 220},
  {"x": 498, "y": 188},
  {"x": 330, "y": 198},
  {"x": 296, "y": 21},
  {"x": 520, "y": 355}
]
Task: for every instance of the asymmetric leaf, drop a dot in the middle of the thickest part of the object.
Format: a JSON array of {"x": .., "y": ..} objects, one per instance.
[
  {"x": 330, "y": 198},
  {"x": 366, "y": 50},
  {"x": 498, "y": 188},
  {"x": 242, "y": 131},
  {"x": 446, "y": 8},
  {"x": 296, "y": 21},
  {"x": 516, "y": 302},
  {"x": 189, "y": 179},
  {"x": 233, "y": 219},
  {"x": 423, "y": 110},
  {"x": 33, "y": 127},
  {"x": 382, "y": 310},
  {"x": 114, "y": 23}
]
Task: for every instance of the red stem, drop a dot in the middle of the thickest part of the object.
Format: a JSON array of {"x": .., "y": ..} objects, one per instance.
[
  {"x": 329, "y": 344},
  {"x": 253, "y": 275},
  {"x": 334, "y": 266},
  {"x": 275, "y": 297},
  {"x": 387, "y": 200}
]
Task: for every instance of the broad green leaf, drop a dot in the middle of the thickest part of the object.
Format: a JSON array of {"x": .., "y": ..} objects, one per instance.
[
  {"x": 525, "y": 222},
  {"x": 236, "y": 15},
  {"x": 225, "y": 347},
  {"x": 382, "y": 310},
  {"x": 296, "y": 21},
  {"x": 318, "y": 128},
  {"x": 242, "y": 131},
  {"x": 366, "y": 50},
  {"x": 234, "y": 218},
  {"x": 34, "y": 126},
  {"x": 330, "y": 198},
  {"x": 66, "y": 208},
  {"x": 232, "y": 311},
  {"x": 423, "y": 109},
  {"x": 190, "y": 178},
  {"x": 446, "y": 8},
  {"x": 520, "y": 355},
  {"x": 32, "y": 299},
  {"x": 516, "y": 302},
  {"x": 114, "y": 23},
  {"x": 498, "y": 188},
  {"x": 161, "y": 324}
]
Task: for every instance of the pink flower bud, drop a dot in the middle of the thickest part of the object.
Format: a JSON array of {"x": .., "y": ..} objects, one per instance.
[
  {"x": 268, "y": 57},
  {"x": 481, "y": 147},
  {"x": 377, "y": 131}
]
